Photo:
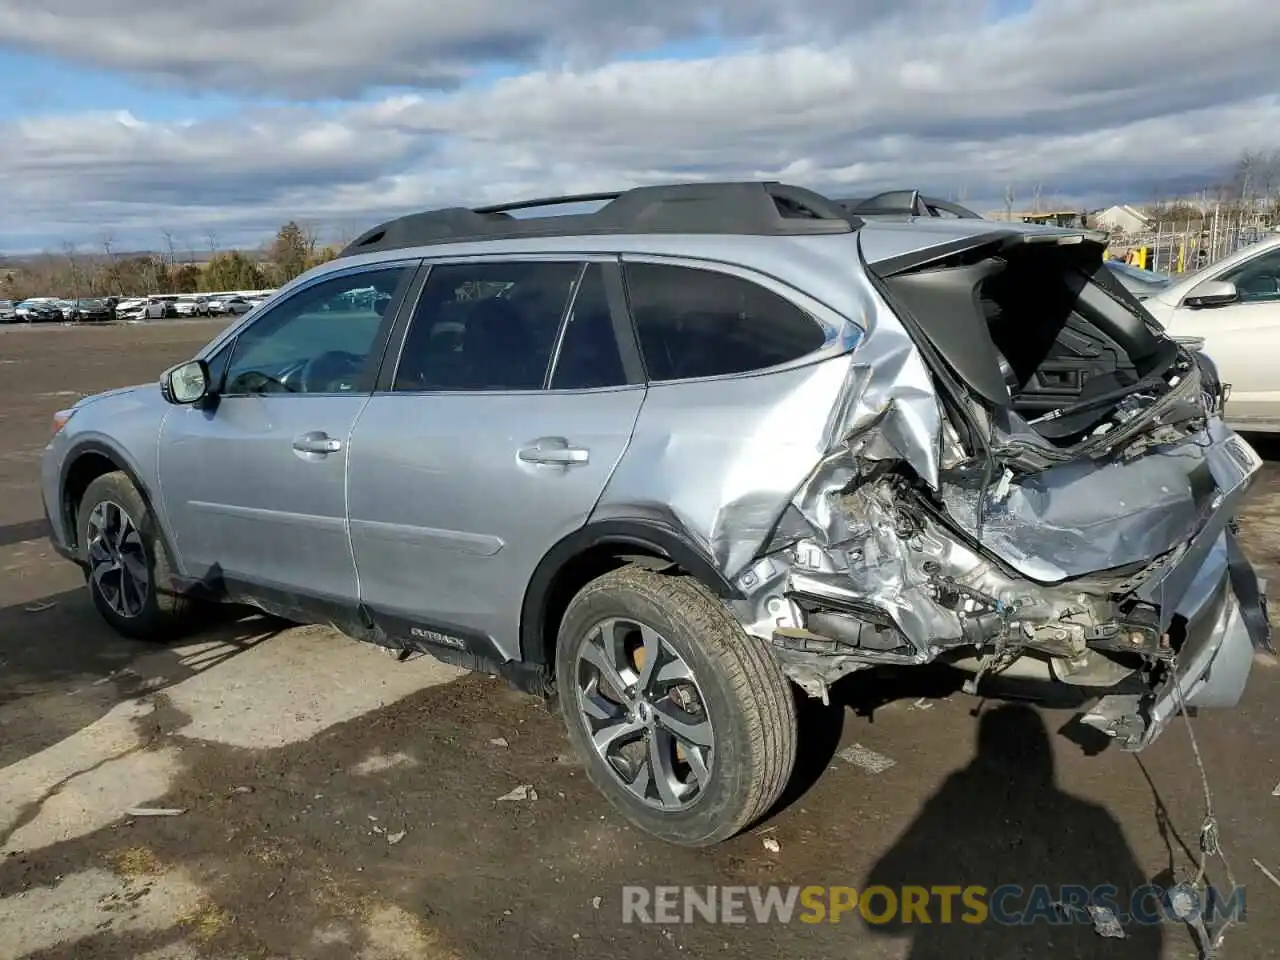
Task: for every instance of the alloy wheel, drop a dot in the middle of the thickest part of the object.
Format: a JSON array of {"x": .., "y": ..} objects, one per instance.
[
  {"x": 644, "y": 713},
  {"x": 117, "y": 559}
]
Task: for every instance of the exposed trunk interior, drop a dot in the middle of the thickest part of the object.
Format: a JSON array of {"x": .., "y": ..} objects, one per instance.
[{"x": 1038, "y": 325}]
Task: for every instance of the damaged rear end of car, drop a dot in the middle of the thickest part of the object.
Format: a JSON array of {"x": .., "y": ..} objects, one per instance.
[{"x": 1022, "y": 476}]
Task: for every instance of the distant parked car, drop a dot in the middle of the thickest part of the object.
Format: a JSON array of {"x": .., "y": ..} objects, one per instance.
[
  {"x": 39, "y": 310},
  {"x": 233, "y": 306},
  {"x": 130, "y": 309},
  {"x": 8, "y": 311},
  {"x": 193, "y": 306},
  {"x": 90, "y": 310},
  {"x": 143, "y": 308},
  {"x": 67, "y": 308}
]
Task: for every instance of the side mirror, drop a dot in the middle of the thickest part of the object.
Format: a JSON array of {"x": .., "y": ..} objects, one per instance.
[
  {"x": 1212, "y": 293},
  {"x": 186, "y": 383}
]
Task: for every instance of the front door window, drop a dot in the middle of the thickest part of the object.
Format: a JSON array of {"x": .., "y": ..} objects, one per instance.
[{"x": 321, "y": 340}]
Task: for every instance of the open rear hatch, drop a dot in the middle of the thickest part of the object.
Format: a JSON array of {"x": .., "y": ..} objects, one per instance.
[
  {"x": 1041, "y": 334},
  {"x": 1061, "y": 384}
]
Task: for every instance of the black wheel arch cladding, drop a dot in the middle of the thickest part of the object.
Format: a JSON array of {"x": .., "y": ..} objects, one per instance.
[
  {"x": 70, "y": 506},
  {"x": 653, "y": 531}
]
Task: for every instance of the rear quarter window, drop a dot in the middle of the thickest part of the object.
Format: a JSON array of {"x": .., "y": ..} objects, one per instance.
[{"x": 698, "y": 323}]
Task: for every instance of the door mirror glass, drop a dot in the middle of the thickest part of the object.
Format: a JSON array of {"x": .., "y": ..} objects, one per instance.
[
  {"x": 186, "y": 383},
  {"x": 1212, "y": 293}
]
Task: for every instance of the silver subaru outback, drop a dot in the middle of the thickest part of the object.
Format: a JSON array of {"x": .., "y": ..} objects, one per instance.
[{"x": 677, "y": 459}]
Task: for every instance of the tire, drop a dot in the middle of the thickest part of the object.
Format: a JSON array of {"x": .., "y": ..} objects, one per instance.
[
  {"x": 155, "y": 613},
  {"x": 734, "y": 683}
]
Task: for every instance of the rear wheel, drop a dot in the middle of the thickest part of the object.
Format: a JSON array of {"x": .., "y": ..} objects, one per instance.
[
  {"x": 683, "y": 720},
  {"x": 127, "y": 570}
]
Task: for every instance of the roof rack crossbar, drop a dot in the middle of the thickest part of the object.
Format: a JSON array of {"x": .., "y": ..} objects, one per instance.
[
  {"x": 549, "y": 202},
  {"x": 748, "y": 208}
]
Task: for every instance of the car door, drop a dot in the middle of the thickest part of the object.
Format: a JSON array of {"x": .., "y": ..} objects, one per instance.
[
  {"x": 1243, "y": 339},
  {"x": 488, "y": 441},
  {"x": 253, "y": 481}
]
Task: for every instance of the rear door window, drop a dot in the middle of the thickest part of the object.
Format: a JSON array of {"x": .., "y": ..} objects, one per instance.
[
  {"x": 696, "y": 323},
  {"x": 486, "y": 326},
  {"x": 589, "y": 357}
]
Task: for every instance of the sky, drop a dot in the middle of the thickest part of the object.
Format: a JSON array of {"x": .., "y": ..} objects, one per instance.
[{"x": 215, "y": 122}]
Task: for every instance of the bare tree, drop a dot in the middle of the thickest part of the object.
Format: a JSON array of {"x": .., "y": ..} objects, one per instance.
[
  {"x": 1010, "y": 195},
  {"x": 170, "y": 246},
  {"x": 345, "y": 232},
  {"x": 74, "y": 268},
  {"x": 107, "y": 278},
  {"x": 211, "y": 239},
  {"x": 310, "y": 238},
  {"x": 159, "y": 275}
]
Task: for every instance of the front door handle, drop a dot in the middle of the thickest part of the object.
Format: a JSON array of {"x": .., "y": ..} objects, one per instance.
[
  {"x": 317, "y": 441},
  {"x": 553, "y": 450}
]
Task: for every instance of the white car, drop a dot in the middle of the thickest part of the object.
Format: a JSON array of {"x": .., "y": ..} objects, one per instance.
[
  {"x": 130, "y": 309},
  {"x": 148, "y": 308},
  {"x": 229, "y": 305},
  {"x": 1234, "y": 307},
  {"x": 192, "y": 306}
]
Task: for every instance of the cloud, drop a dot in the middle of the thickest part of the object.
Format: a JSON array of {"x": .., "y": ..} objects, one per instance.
[
  {"x": 318, "y": 48},
  {"x": 1093, "y": 101}
]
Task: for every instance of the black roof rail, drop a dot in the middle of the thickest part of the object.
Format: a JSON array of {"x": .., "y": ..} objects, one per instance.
[
  {"x": 752, "y": 208},
  {"x": 906, "y": 203}
]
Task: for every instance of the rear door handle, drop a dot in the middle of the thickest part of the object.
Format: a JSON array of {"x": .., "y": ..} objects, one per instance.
[
  {"x": 317, "y": 441},
  {"x": 553, "y": 450}
]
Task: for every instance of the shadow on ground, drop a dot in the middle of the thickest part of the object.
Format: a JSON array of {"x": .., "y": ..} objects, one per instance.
[
  {"x": 1003, "y": 823},
  {"x": 22, "y": 532},
  {"x": 62, "y": 667}
]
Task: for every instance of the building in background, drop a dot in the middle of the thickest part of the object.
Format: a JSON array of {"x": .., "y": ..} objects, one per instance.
[{"x": 1122, "y": 218}]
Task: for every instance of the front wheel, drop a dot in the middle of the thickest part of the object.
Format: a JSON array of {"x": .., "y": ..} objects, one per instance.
[
  {"x": 683, "y": 720},
  {"x": 125, "y": 563}
]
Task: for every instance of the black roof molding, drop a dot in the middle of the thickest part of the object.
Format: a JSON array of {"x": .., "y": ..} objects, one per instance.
[
  {"x": 906, "y": 203},
  {"x": 751, "y": 208}
]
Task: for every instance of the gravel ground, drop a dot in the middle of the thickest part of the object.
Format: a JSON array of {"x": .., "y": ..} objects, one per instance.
[{"x": 339, "y": 804}]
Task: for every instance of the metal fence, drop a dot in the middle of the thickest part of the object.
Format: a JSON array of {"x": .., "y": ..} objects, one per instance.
[{"x": 1183, "y": 246}]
